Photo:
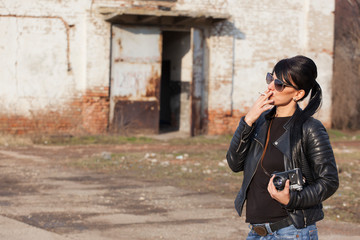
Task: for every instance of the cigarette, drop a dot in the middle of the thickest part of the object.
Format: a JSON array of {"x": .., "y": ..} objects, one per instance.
[{"x": 262, "y": 94}]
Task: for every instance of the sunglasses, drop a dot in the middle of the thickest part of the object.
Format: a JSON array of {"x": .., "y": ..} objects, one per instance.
[{"x": 279, "y": 85}]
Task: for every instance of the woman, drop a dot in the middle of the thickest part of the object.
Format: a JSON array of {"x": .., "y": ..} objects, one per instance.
[{"x": 277, "y": 136}]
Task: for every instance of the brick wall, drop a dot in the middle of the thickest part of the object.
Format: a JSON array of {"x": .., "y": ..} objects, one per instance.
[
  {"x": 87, "y": 114},
  {"x": 226, "y": 122},
  {"x": 223, "y": 122},
  {"x": 95, "y": 111}
]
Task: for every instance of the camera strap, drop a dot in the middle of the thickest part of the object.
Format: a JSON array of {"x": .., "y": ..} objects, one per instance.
[{"x": 266, "y": 145}]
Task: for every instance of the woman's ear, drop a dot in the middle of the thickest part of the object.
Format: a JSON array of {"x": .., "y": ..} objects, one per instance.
[{"x": 299, "y": 95}]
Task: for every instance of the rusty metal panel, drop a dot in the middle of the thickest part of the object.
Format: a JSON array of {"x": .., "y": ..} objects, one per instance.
[
  {"x": 197, "y": 80},
  {"x": 135, "y": 117},
  {"x": 135, "y": 77},
  {"x": 198, "y": 62}
]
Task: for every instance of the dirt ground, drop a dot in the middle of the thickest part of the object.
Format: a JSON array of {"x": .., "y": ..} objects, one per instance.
[{"x": 38, "y": 189}]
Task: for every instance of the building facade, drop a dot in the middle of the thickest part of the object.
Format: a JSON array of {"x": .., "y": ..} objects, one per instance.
[{"x": 150, "y": 66}]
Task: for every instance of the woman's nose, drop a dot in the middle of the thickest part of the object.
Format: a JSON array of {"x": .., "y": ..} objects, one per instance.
[{"x": 271, "y": 86}]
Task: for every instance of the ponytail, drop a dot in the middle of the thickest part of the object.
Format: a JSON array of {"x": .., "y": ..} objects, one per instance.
[
  {"x": 296, "y": 132},
  {"x": 314, "y": 102}
]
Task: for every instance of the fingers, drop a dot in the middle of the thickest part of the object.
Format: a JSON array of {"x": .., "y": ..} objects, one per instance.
[
  {"x": 281, "y": 196},
  {"x": 271, "y": 187},
  {"x": 264, "y": 98},
  {"x": 267, "y": 104},
  {"x": 287, "y": 184},
  {"x": 262, "y": 104}
]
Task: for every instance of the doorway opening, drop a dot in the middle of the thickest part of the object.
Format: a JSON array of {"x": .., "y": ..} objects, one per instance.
[{"x": 176, "y": 75}]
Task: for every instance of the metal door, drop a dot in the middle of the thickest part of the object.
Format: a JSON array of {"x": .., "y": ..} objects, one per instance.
[{"x": 135, "y": 79}]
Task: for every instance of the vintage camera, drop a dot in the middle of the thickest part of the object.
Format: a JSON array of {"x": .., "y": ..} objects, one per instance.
[{"x": 295, "y": 177}]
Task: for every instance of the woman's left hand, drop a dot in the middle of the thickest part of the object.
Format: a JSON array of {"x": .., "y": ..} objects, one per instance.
[{"x": 283, "y": 196}]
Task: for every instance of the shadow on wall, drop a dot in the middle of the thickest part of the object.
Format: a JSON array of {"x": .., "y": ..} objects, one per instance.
[{"x": 227, "y": 29}]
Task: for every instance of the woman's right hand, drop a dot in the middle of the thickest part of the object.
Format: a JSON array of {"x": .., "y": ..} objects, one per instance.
[{"x": 261, "y": 105}]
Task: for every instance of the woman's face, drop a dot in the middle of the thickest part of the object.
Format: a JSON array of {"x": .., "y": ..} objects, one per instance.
[{"x": 283, "y": 98}]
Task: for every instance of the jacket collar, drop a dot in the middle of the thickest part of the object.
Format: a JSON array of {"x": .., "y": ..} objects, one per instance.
[
  {"x": 271, "y": 114},
  {"x": 293, "y": 118},
  {"x": 283, "y": 142}
]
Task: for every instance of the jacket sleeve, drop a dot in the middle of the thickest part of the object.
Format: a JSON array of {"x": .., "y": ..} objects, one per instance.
[
  {"x": 239, "y": 146},
  {"x": 321, "y": 158}
]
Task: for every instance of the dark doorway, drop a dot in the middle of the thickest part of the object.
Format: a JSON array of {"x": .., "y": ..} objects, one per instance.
[{"x": 174, "y": 85}]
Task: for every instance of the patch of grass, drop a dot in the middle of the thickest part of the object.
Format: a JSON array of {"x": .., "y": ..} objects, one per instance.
[
  {"x": 86, "y": 140},
  {"x": 13, "y": 140},
  {"x": 344, "y": 204},
  {"x": 338, "y": 135},
  {"x": 335, "y": 135},
  {"x": 113, "y": 139},
  {"x": 220, "y": 139}
]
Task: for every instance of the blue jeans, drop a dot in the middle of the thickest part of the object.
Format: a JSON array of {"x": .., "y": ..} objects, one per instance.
[{"x": 290, "y": 232}]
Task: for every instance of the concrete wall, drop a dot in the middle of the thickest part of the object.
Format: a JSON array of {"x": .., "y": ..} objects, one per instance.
[{"x": 55, "y": 76}]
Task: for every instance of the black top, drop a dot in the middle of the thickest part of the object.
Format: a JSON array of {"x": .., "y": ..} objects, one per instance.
[{"x": 260, "y": 207}]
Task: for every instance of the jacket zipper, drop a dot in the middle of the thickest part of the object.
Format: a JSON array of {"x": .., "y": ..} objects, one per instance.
[
  {"x": 241, "y": 139},
  {"x": 257, "y": 165},
  {"x": 259, "y": 143}
]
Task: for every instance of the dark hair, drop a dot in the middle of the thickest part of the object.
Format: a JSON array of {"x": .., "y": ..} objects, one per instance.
[{"x": 300, "y": 71}]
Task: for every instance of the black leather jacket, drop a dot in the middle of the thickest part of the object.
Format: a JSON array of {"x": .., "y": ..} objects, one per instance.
[{"x": 246, "y": 148}]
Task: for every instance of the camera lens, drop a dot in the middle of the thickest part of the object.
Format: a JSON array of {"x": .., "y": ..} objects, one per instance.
[{"x": 279, "y": 182}]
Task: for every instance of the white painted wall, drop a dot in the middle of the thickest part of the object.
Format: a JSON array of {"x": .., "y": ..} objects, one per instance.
[
  {"x": 34, "y": 62},
  {"x": 33, "y": 65},
  {"x": 268, "y": 31},
  {"x": 39, "y": 41}
]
